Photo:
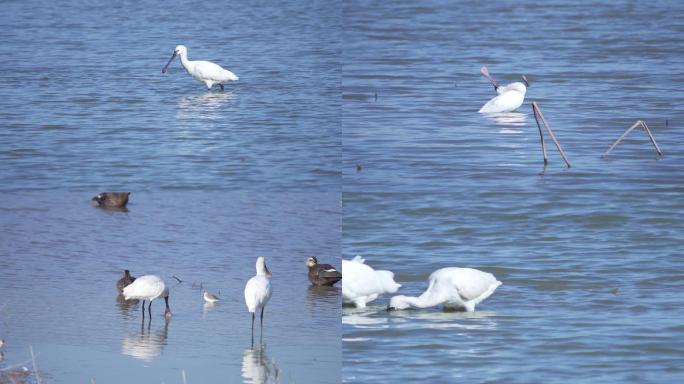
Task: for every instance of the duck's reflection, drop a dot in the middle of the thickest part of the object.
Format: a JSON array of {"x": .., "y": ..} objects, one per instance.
[
  {"x": 257, "y": 368},
  {"x": 508, "y": 119},
  {"x": 322, "y": 298},
  {"x": 126, "y": 306},
  {"x": 208, "y": 105},
  {"x": 147, "y": 344}
]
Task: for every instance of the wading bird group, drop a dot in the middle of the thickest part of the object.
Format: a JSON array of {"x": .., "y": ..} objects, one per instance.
[
  {"x": 257, "y": 291},
  {"x": 451, "y": 287}
]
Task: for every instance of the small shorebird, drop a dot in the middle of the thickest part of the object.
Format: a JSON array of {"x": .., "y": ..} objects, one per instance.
[
  {"x": 456, "y": 288},
  {"x": 322, "y": 274},
  {"x": 148, "y": 287},
  {"x": 203, "y": 71},
  {"x": 362, "y": 284},
  {"x": 258, "y": 292},
  {"x": 210, "y": 297},
  {"x": 112, "y": 199},
  {"x": 124, "y": 281},
  {"x": 510, "y": 97}
]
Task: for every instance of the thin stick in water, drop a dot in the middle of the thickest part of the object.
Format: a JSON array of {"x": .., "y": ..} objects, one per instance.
[
  {"x": 627, "y": 131},
  {"x": 35, "y": 366},
  {"x": 537, "y": 110},
  {"x": 650, "y": 136},
  {"x": 541, "y": 134},
  {"x": 183, "y": 376},
  {"x": 630, "y": 129},
  {"x": 179, "y": 280}
]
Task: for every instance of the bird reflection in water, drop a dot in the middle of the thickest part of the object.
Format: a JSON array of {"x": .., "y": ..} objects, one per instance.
[
  {"x": 147, "y": 344},
  {"x": 257, "y": 368},
  {"x": 125, "y": 306},
  {"x": 322, "y": 298},
  {"x": 508, "y": 119},
  {"x": 208, "y": 105}
]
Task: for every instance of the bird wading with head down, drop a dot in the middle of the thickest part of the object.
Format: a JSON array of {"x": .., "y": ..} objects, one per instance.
[{"x": 148, "y": 287}]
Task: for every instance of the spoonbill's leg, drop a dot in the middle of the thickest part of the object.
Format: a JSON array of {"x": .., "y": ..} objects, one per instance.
[
  {"x": 252, "y": 329},
  {"x": 221, "y": 85},
  {"x": 262, "y": 317},
  {"x": 143, "y": 308},
  {"x": 149, "y": 309}
]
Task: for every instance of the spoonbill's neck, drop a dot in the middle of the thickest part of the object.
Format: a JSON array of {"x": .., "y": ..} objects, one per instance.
[
  {"x": 425, "y": 300},
  {"x": 187, "y": 64}
]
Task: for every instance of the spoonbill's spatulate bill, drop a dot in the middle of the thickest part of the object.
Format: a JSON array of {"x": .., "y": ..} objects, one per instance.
[
  {"x": 148, "y": 287},
  {"x": 362, "y": 284},
  {"x": 510, "y": 97},
  {"x": 322, "y": 274},
  {"x": 457, "y": 288},
  {"x": 204, "y": 71},
  {"x": 258, "y": 292}
]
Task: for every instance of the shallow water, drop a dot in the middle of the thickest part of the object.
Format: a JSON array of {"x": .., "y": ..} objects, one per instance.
[
  {"x": 442, "y": 185},
  {"x": 60, "y": 259},
  {"x": 594, "y": 68},
  {"x": 556, "y": 318},
  {"x": 85, "y": 104}
]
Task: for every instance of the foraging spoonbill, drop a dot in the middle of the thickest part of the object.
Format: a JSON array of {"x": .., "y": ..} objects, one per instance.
[
  {"x": 258, "y": 292},
  {"x": 203, "y": 71},
  {"x": 362, "y": 284},
  {"x": 510, "y": 97},
  {"x": 322, "y": 274},
  {"x": 458, "y": 288},
  {"x": 125, "y": 280},
  {"x": 148, "y": 287}
]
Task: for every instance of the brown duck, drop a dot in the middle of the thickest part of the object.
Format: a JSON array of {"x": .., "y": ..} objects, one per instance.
[
  {"x": 322, "y": 274},
  {"x": 112, "y": 199},
  {"x": 125, "y": 280}
]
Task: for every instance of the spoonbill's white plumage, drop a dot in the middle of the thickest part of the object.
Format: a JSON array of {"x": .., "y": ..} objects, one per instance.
[
  {"x": 362, "y": 284},
  {"x": 148, "y": 287},
  {"x": 210, "y": 297},
  {"x": 258, "y": 292},
  {"x": 204, "y": 71},
  {"x": 458, "y": 288},
  {"x": 510, "y": 97}
]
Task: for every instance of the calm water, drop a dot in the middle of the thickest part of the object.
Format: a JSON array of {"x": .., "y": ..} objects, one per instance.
[
  {"x": 442, "y": 185},
  {"x": 60, "y": 259},
  {"x": 594, "y": 68},
  {"x": 84, "y": 103}
]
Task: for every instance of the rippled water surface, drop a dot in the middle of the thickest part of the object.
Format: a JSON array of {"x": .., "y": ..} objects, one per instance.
[
  {"x": 590, "y": 257},
  {"x": 84, "y": 103},
  {"x": 60, "y": 259},
  {"x": 591, "y": 286},
  {"x": 594, "y": 67}
]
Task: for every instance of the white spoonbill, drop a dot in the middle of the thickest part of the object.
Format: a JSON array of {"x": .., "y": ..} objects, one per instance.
[
  {"x": 148, "y": 287},
  {"x": 204, "y": 71},
  {"x": 510, "y": 97},
  {"x": 362, "y": 284},
  {"x": 258, "y": 292},
  {"x": 459, "y": 288}
]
